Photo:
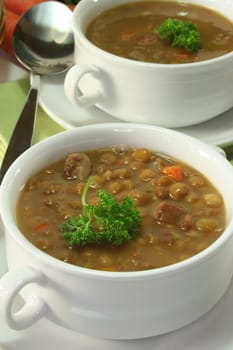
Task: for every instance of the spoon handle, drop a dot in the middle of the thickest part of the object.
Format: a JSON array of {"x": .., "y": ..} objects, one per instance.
[{"x": 21, "y": 137}]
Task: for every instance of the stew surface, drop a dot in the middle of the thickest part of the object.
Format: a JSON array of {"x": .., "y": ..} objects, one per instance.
[
  {"x": 182, "y": 212},
  {"x": 131, "y": 31}
]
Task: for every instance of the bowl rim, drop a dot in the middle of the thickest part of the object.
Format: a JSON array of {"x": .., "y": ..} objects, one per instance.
[{"x": 11, "y": 228}]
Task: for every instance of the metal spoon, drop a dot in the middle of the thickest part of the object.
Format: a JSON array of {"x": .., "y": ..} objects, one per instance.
[{"x": 43, "y": 43}]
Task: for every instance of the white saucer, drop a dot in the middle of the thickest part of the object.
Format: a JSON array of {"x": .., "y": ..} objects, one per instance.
[
  {"x": 218, "y": 131},
  {"x": 211, "y": 332}
]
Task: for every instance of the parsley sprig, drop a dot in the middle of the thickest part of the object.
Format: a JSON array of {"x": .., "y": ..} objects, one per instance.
[
  {"x": 180, "y": 33},
  {"x": 109, "y": 221}
]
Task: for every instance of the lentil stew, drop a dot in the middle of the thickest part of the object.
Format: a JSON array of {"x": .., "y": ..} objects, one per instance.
[
  {"x": 182, "y": 211},
  {"x": 131, "y": 31}
]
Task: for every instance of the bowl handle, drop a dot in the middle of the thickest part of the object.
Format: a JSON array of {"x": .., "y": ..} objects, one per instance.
[
  {"x": 10, "y": 285},
  {"x": 72, "y": 89}
]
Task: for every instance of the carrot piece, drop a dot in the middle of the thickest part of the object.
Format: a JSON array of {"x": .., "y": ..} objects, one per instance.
[
  {"x": 183, "y": 55},
  {"x": 127, "y": 35},
  {"x": 175, "y": 171},
  {"x": 41, "y": 227},
  {"x": 21, "y": 6},
  {"x": 11, "y": 20},
  {"x": 71, "y": 7}
]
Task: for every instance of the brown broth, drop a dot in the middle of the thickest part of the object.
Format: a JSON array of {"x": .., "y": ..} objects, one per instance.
[
  {"x": 48, "y": 198},
  {"x": 131, "y": 31}
]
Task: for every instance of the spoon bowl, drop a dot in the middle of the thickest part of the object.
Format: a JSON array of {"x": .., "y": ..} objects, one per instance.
[
  {"x": 43, "y": 38},
  {"x": 43, "y": 43}
]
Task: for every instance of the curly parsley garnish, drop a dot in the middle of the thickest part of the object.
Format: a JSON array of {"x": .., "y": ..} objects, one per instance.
[
  {"x": 109, "y": 221},
  {"x": 180, "y": 33}
]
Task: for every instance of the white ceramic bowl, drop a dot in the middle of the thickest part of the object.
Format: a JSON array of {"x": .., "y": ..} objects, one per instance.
[
  {"x": 120, "y": 305},
  {"x": 170, "y": 95}
]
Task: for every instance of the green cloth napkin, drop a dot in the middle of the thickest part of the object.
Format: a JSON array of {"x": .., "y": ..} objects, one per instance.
[{"x": 12, "y": 99}]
